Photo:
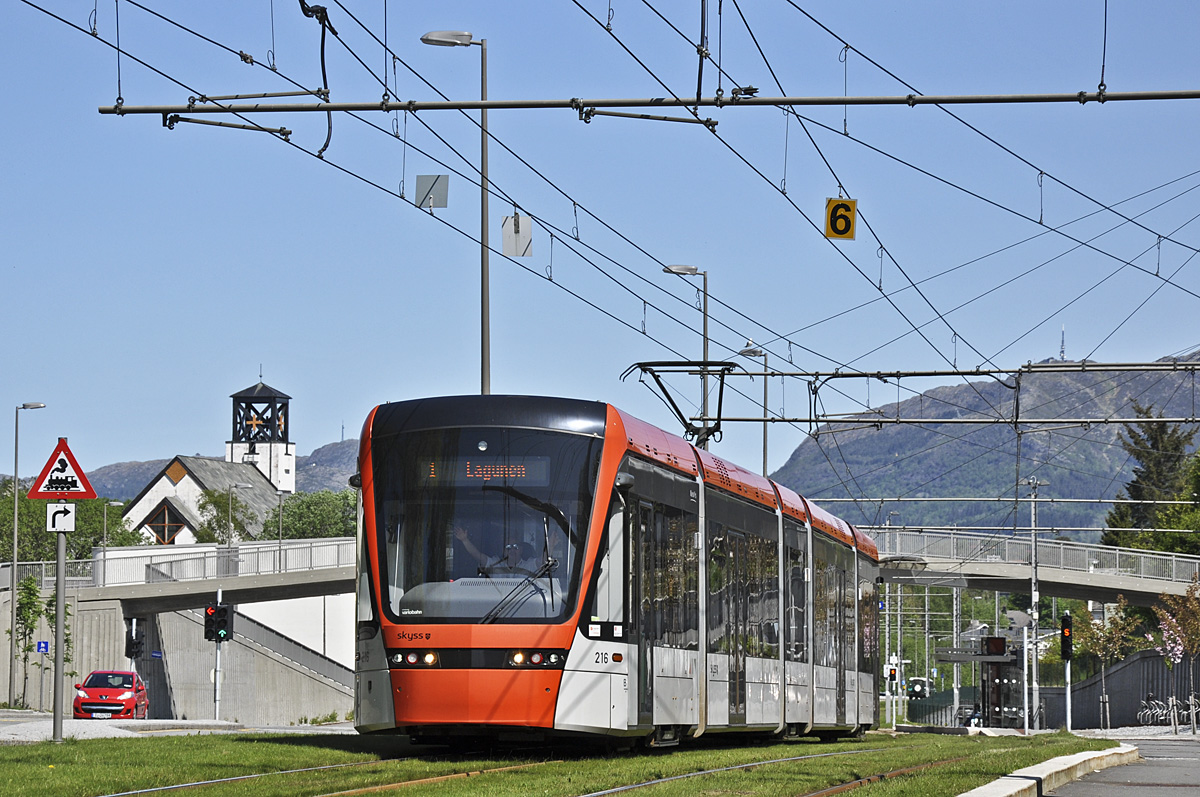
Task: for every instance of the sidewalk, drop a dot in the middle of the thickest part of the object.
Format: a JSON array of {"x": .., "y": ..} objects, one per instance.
[{"x": 1041, "y": 778}]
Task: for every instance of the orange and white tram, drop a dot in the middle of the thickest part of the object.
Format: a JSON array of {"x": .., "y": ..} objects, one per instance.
[{"x": 555, "y": 566}]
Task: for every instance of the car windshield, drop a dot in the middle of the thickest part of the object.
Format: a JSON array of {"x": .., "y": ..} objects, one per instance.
[
  {"x": 482, "y": 524},
  {"x": 109, "y": 680}
]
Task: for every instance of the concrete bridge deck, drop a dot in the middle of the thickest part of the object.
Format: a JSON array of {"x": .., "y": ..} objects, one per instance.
[
  {"x": 150, "y": 580},
  {"x": 1001, "y": 562},
  {"x": 171, "y": 578}
]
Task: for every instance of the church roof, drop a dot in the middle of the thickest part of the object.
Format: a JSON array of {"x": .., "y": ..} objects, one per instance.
[
  {"x": 259, "y": 392},
  {"x": 217, "y": 474}
]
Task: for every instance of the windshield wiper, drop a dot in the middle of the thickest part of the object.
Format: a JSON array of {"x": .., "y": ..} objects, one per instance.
[{"x": 509, "y": 602}]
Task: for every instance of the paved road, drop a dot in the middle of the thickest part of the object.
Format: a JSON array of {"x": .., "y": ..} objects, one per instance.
[
  {"x": 1169, "y": 768},
  {"x": 18, "y": 727}
]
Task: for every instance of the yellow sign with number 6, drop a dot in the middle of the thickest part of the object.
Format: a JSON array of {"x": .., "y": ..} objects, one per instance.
[{"x": 839, "y": 218}]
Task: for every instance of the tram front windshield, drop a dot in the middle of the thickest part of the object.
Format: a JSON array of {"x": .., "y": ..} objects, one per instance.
[{"x": 482, "y": 525}]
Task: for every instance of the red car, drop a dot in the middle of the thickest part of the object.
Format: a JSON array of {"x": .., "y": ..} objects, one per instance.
[{"x": 111, "y": 694}]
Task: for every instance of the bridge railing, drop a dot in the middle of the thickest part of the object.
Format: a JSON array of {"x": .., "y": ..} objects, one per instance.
[
  {"x": 148, "y": 565},
  {"x": 962, "y": 546}
]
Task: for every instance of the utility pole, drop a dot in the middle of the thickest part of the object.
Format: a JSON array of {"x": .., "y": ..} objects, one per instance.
[
  {"x": 1034, "y": 597},
  {"x": 954, "y": 642}
]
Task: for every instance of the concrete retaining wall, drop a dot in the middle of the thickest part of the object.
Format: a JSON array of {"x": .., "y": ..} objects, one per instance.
[{"x": 260, "y": 686}]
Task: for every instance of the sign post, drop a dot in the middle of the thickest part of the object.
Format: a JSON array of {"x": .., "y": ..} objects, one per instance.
[{"x": 60, "y": 479}]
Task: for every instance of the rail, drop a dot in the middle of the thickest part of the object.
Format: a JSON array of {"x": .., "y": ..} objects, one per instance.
[
  {"x": 962, "y": 546},
  {"x": 124, "y": 566}
]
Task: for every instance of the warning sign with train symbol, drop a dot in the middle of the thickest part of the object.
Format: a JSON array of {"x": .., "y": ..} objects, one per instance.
[{"x": 62, "y": 477}]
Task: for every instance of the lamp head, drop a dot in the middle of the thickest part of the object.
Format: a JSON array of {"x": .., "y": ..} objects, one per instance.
[
  {"x": 32, "y": 405},
  {"x": 447, "y": 38},
  {"x": 684, "y": 270}
]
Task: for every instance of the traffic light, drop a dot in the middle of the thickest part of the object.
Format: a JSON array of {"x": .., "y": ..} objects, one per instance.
[
  {"x": 210, "y": 622},
  {"x": 891, "y": 673},
  {"x": 223, "y": 622},
  {"x": 1065, "y": 637},
  {"x": 134, "y": 645}
]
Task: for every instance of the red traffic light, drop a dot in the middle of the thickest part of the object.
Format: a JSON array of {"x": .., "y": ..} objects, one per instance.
[{"x": 210, "y": 610}]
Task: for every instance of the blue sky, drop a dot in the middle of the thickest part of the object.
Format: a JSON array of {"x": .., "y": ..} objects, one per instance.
[{"x": 149, "y": 273}]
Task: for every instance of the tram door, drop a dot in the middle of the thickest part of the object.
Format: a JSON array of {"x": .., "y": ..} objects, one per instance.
[{"x": 641, "y": 600}]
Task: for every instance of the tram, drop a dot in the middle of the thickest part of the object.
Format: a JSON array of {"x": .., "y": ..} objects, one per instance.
[{"x": 556, "y": 567}]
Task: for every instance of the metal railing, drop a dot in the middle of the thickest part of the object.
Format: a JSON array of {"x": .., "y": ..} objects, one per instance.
[
  {"x": 148, "y": 565},
  {"x": 963, "y": 546}
]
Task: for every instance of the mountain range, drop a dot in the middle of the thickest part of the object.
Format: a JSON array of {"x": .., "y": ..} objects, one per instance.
[{"x": 1069, "y": 458}]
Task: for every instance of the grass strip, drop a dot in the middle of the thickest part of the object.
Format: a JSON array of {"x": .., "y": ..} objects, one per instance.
[{"x": 108, "y": 766}]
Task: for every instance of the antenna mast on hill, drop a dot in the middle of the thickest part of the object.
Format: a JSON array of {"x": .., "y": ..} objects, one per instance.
[{"x": 1062, "y": 349}]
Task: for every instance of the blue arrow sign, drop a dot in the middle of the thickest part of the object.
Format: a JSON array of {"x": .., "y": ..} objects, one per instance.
[{"x": 43, "y": 646}]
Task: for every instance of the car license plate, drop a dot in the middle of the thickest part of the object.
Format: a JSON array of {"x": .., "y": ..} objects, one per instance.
[{"x": 101, "y": 715}]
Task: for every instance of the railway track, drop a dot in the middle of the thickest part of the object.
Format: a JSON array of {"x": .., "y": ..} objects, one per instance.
[{"x": 472, "y": 770}]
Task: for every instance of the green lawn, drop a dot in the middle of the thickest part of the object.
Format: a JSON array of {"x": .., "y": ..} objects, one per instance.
[{"x": 108, "y": 766}]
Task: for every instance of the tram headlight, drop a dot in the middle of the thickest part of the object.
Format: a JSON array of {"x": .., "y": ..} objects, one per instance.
[
  {"x": 542, "y": 659},
  {"x": 414, "y": 658}
]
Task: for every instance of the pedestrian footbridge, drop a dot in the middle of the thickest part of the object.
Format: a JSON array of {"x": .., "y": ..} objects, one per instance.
[
  {"x": 998, "y": 562},
  {"x": 170, "y": 578}
]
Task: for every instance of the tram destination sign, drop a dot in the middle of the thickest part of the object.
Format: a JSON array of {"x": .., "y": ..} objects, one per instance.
[{"x": 512, "y": 471}]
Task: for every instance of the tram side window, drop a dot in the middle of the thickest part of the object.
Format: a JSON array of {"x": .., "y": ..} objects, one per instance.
[
  {"x": 794, "y": 629},
  {"x": 743, "y": 578},
  {"x": 825, "y": 600},
  {"x": 868, "y": 626},
  {"x": 850, "y": 646},
  {"x": 764, "y": 599},
  {"x": 669, "y": 573},
  {"x": 663, "y": 577}
]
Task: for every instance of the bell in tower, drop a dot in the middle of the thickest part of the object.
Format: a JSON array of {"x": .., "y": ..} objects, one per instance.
[{"x": 260, "y": 435}]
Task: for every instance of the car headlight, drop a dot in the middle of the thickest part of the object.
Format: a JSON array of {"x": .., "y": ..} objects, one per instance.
[
  {"x": 81, "y": 693},
  {"x": 124, "y": 695}
]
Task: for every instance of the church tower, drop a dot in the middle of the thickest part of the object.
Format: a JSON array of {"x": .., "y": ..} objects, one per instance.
[{"x": 260, "y": 435}]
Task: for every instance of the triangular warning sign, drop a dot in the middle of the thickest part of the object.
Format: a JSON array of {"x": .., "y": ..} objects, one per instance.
[{"x": 62, "y": 477}]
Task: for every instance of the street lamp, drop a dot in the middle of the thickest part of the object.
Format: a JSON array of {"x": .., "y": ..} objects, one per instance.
[
  {"x": 691, "y": 271},
  {"x": 462, "y": 38},
  {"x": 232, "y": 487},
  {"x": 753, "y": 351},
  {"x": 12, "y": 573},
  {"x": 280, "y": 493}
]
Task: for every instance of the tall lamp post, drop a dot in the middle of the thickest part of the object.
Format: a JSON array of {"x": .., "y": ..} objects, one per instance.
[
  {"x": 281, "y": 494},
  {"x": 1034, "y": 597},
  {"x": 692, "y": 271},
  {"x": 12, "y": 573},
  {"x": 232, "y": 487},
  {"x": 462, "y": 38},
  {"x": 754, "y": 351}
]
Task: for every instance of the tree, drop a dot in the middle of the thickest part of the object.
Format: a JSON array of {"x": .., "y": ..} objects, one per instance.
[
  {"x": 315, "y": 515},
  {"x": 1184, "y": 613},
  {"x": 28, "y": 613},
  {"x": 1160, "y": 449},
  {"x": 1185, "y": 518},
  {"x": 50, "y": 611},
  {"x": 35, "y": 544},
  {"x": 1109, "y": 642},
  {"x": 217, "y": 509}
]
